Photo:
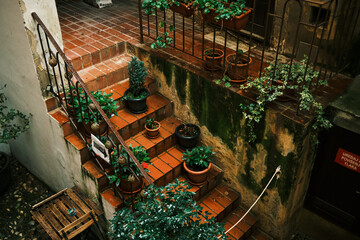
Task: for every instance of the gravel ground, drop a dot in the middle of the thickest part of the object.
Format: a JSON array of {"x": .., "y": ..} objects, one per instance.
[{"x": 15, "y": 204}]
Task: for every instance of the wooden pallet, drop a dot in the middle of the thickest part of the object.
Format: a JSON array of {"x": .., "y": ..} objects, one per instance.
[{"x": 53, "y": 216}]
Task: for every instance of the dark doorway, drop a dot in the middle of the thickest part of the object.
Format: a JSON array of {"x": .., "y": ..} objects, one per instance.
[{"x": 334, "y": 189}]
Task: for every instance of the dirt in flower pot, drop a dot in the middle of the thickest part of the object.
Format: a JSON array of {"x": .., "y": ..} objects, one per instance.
[{"x": 188, "y": 131}]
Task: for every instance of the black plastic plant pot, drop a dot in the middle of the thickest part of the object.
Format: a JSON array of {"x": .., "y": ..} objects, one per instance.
[
  {"x": 137, "y": 105},
  {"x": 5, "y": 175},
  {"x": 187, "y": 142}
]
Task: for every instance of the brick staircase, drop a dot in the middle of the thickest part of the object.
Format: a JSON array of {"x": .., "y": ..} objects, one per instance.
[{"x": 107, "y": 71}]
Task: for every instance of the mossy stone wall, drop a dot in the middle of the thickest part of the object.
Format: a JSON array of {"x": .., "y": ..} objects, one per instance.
[{"x": 247, "y": 166}]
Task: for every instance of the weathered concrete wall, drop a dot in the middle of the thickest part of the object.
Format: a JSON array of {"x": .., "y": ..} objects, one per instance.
[
  {"x": 42, "y": 149},
  {"x": 247, "y": 167}
]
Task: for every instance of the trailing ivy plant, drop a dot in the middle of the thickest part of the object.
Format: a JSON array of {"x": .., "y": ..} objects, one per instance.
[
  {"x": 226, "y": 9},
  {"x": 122, "y": 164},
  {"x": 272, "y": 84},
  {"x": 198, "y": 158},
  {"x": 166, "y": 213},
  {"x": 12, "y": 121}
]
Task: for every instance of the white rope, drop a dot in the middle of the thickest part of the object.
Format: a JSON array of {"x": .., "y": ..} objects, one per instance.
[{"x": 277, "y": 174}]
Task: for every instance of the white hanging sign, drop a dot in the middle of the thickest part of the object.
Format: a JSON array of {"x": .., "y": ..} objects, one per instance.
[{"x": 99, "y": 148}]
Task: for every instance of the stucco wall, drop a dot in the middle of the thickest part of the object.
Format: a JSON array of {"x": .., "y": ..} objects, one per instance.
[
  {"x": 247, "y": 167},
  {"x": 42, "y": 149}
]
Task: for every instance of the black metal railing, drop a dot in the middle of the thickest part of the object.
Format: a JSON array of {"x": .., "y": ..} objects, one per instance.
[
  {"x": 327, "y": 34},
  {"x": 66, "y": 85}
]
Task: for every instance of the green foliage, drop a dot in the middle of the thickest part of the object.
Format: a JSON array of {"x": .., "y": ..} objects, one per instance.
[
  {"x": 79, "y": 102},
  {"x": 122, "y": 164},
  {"x": 166, "y": 213},
  {"x": 137, "y": 75},
  {"x": 226, "y": 9},
  {"x": 273, "y": 83},
  {"x": 226, "y": 80},
  {"x": 151, "y": 124},
  {"x": 12, "y": 121},
  {"x": 198, "y": 158}
]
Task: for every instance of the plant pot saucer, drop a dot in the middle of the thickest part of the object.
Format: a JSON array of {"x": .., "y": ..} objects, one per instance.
[
  {"x": 134, "y": 192},
  {"x": 157, "y": 135},
  {"x": 196, "y": 184},
  {"x": 238, "y": 81},
  {"x": 140, "y": 111}
]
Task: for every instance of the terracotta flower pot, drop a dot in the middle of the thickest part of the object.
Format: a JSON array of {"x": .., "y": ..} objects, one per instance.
[
  {"x": 128, "y": 187},
  {"x": 184, "y": 9},
  {"x": 197, "y": 177},
  {"x": 237, "y": 72},
  {"x": 153, "y": 133},
  {"x": 213, "y": 61},
  {"x": 235, "y": 23}
]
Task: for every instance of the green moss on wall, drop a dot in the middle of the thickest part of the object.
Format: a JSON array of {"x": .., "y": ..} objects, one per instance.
[
  {"x": 180, "y": 83},
  {"x": 163, "y": 66}
]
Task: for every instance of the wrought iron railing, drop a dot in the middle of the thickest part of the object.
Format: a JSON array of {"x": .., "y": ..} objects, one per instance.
[
  {"x": 332, "y": 23},
  {"x": 63, "y": 80}
]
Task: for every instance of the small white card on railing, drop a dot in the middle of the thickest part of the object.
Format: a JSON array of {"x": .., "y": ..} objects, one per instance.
[{"x": 99, "y": 148}]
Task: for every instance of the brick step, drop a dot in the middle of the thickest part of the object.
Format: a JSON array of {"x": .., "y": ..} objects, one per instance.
[
  {"x": 117, "y": 89},
  {"x": 126, "y": 123},
  {"x": 158, "y": 145},
  {"x": 106, "y": 73},
  {"x": 243, "y": 229},
  {"x": 259, "y": 235},
  {"x": 112, "y": 203},
  {"x": 90, "y": 54}
]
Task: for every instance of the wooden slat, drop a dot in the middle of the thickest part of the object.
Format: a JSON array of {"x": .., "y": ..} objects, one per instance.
[
  {"x": 46, "y": 226},
  {"x": 88, "y": 202},
  {"x": 64, "y": 210},
  {"x": 49, "y": 198},
  {"x": 77, "y": 201},
  {"x": 58, "y": 214},
  {"x": 77, "y": 222},
  {"x": 50, "y": 218},
  {"x": 79, "y": 212},
  {"x": 80, "y": 229}
]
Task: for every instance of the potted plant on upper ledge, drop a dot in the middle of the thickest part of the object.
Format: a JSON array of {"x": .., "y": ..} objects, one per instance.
[
  {"x": 197, "y": 163},
  {"x": 9, "y": 129},
  {"x": 136, "y": 94}
]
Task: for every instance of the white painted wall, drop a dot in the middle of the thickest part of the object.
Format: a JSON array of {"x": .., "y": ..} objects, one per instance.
[{"x": 42, "y": 149}]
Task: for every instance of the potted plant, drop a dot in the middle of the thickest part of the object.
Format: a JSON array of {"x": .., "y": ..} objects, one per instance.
[
  {"x": 272, "y": 85},
  {"x": 136, "y": 94},
  {"x": 213, "y": 58},
  {"x": 12, "y": 124},
  {"x": 233, "y": 15},
  {"x": 80, "y": 105},
  {"x": 237, "y": 65},
  {"x": 187, "y": 135},
  {"x": 152, "y": 128},
  {"x": 166, "y": 213},
  {"x": 122, "y": 176},
  {"x": 197, "y": 163},
  {"x": 183, "y": 7}
]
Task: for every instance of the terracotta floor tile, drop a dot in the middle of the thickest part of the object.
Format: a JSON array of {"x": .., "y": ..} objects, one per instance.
[
  {"x": 128, "y": 117},
  {"x": 174, "y": 152},
  {"x": 229, "y": 193},
  {"x": 109, "y": 196},
  {"x": 93, "y": 169},
  {"x": 118, "y": 89},
  {"x": 154, "y": 173},
  {"x": 75, "y": 141},
  {"x": 151, "y": 102},
  {"x": 132, "y": 142},
  {"x": 206, "y": 209},
  {"x": 120, "y": 123},
  {"x": 213, "y": 205},
  {"x": 144, "y": 141},
  {"x": 235, "y": 232},
  {"x": 114, "y": 96},
  {"x": 163, "y": 167},
  {"x": 95, "y": 72},
  {"x": 233, "y": 219},
  {"x": 60, "y": 117},
  {"x": 170, "y": 160}
]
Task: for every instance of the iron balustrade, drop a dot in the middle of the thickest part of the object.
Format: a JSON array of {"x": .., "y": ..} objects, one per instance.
[
  {"x": 328, "y": 38},
  {"x": 63, "y": 86}
]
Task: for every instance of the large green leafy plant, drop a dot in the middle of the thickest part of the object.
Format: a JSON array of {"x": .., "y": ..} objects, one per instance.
[
  {"x": 122, "y": 164},
  {"x": 166, "y": 213},
  {"x": 12, "y": 121},
  {"x": 198, "y": 158},
  {"x": 81, "y": 104},
  {"x": 274, "y": 82},
  {"x": 137, "y": 75}
]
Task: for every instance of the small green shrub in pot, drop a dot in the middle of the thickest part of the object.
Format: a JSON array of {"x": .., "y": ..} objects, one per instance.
[
  {"x": 122, "y": 176},
  {"x": 136, "y": 94},
  {"x": 197, "y": 163},
  {"x": 165, "y": 213}
]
